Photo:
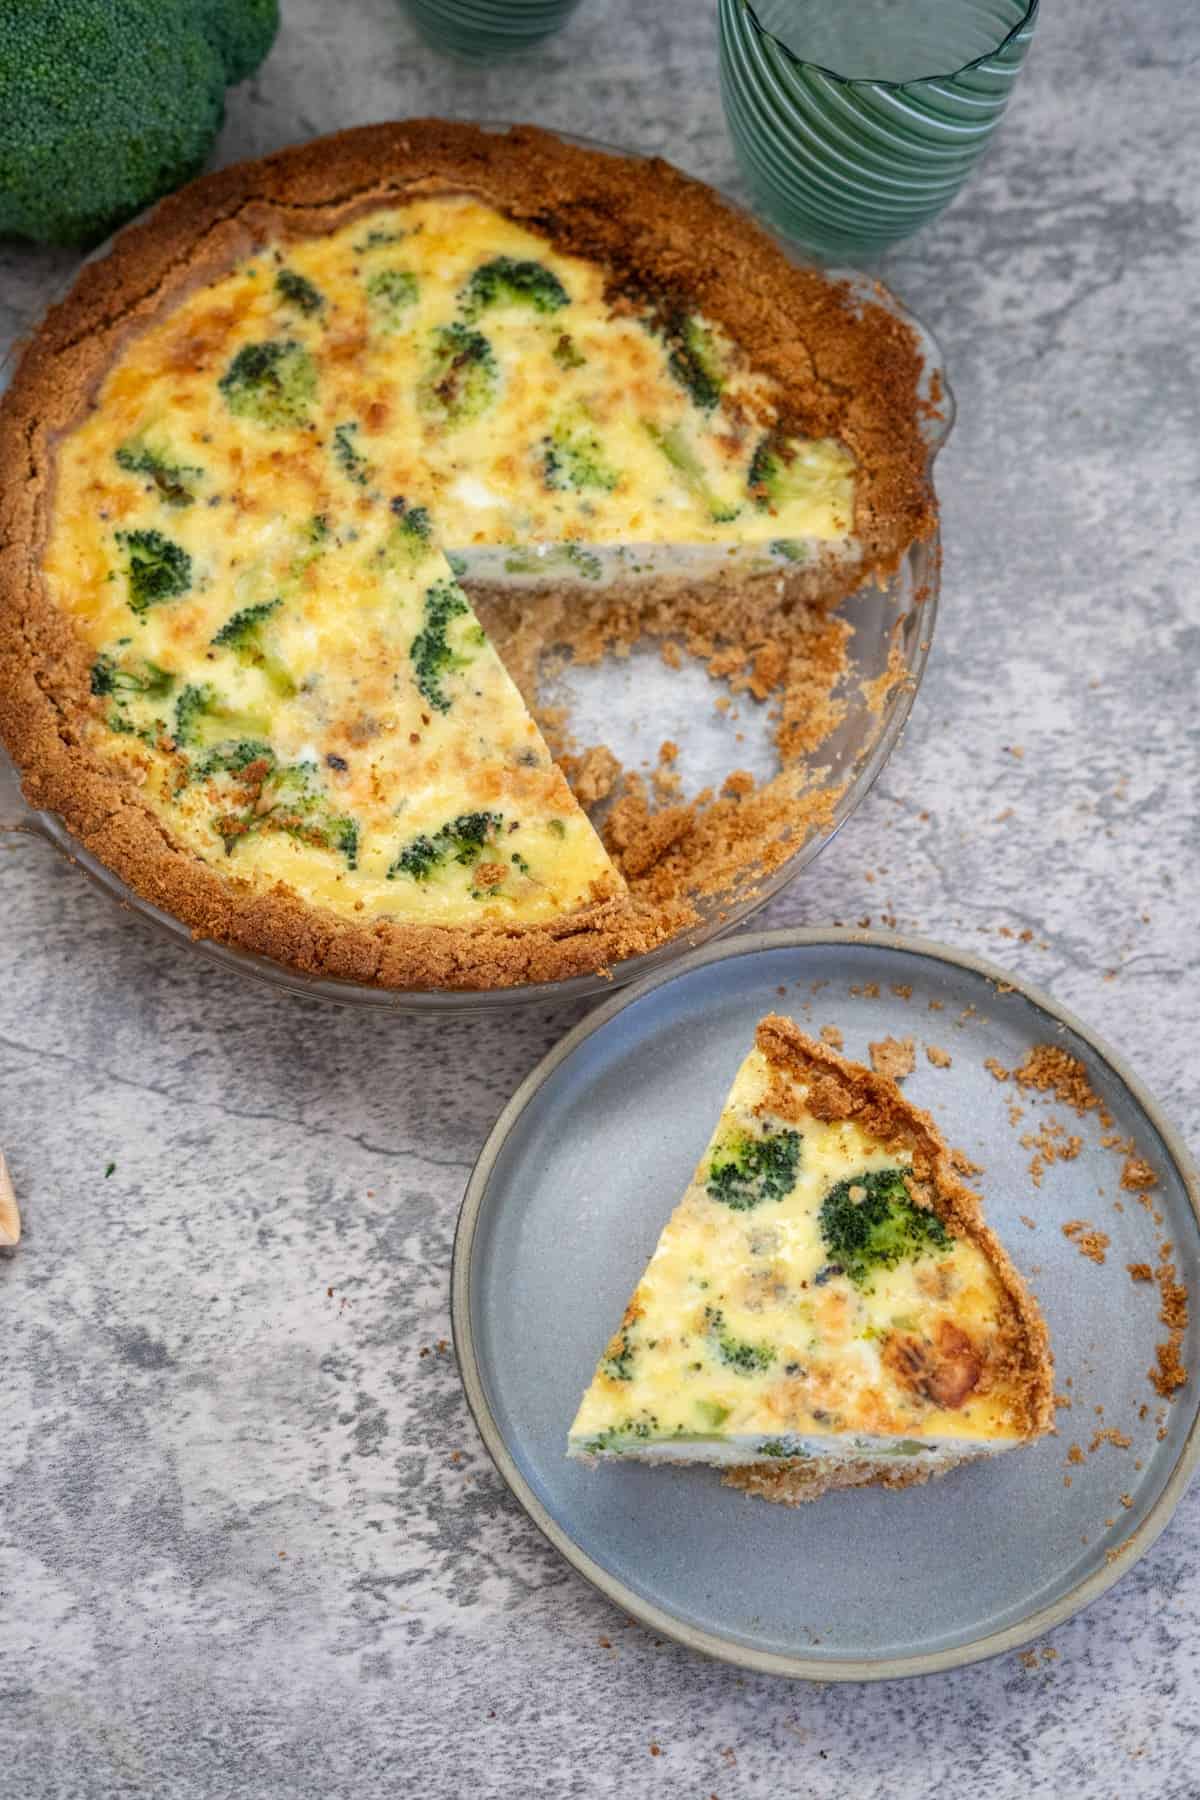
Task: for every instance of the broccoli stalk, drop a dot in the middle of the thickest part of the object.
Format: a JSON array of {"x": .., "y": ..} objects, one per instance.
[
  {"x": 156, "y": 568},
  {"x": 202, "y": 719},
  {"x": 106, "y": 107},
  {"x": 686, "y": 463},
  {"x": 273, "y": 383},
  {"x": 243, "y": 634},
  {"x": 505, "y": 281},
  {"x": 777, "y": 474},
  {"x": 695, "y": 361},
  {"x": 870, "y": 1222},
  {"x": 463, "y": 375},
  {"x": 108, "y": 678},
  {"x": 175, "y": 482}
]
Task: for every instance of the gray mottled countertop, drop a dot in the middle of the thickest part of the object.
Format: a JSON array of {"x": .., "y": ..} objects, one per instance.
[{"x": 249, "y": 1541}]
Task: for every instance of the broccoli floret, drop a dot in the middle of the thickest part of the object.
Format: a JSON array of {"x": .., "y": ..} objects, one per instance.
[
  {"x": 573, "y": 455},
  {"x": 235, "y": 756},
  {"x": 273, "y": 383},
  {"x": 614, "y": 1436},
  {"x": 746, "y": 1171},
  {"x": 462, "y": 840},
  {"x": 175, "y": 482},
  {"x": 298, "y": 291},
  {"x": 156, "y": 568},
  {"x": 346, "y": 454},
  {"x": 789, "y": 549},
  {"x": 684, "y": 460},
  {"x": 202, "y": 719},
  {"x": 409, "y": 538},
  {"x": 785, "y": 1446},
  {"x": 462, "y": 377},
  {"x": 108, "y": 678},
  {"x": 376, "y": 239},
  {"x": 566, "y": 352},
  {"x": 617, "y": 1361},
  {"x": 433, "y": 656},
  {"x": 505, "y": 281},
  {"x": 106, "y": 107},
  {"x": 279, "y": 797},
  {"x": 870, "y": 1222},
  {"x": 777, "y": 475},
  {"x": 735, "y": 1353},
  {"x": 695, "y": 361},
  {"x": 243, "y": 634},
  {"x": 390, "y": 294}
]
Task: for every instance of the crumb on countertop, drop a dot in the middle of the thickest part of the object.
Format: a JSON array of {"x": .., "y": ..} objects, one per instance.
[{"x": 941, "y": 1059}]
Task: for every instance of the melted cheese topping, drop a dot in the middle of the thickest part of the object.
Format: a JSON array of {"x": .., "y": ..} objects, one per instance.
[
  {"x": 746, "y": 1341},
  {"x": 246, "y": 530}
]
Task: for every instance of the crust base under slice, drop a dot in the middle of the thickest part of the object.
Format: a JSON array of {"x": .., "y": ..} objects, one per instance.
[{"x": 791, "y": 1484}]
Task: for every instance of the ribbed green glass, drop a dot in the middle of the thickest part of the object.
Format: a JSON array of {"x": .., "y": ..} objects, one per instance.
[
  {"x": 480, "y": 31},
  {"x": 847, "y": 163}
]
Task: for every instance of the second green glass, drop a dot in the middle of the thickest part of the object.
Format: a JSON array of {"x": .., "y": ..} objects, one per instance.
[
  {"x": 482, "y": 31},
  {"x": 855, "y": 124}
]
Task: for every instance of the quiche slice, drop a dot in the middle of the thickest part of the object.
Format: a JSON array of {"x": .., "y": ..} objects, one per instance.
[
  {"x": 279, "y": 444},
  {"x": 826, "y": 1307}
]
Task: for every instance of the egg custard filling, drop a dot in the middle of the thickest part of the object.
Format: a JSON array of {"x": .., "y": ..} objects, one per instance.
[
  {"x": 261, "y": 524},
  {"x": 824, "y": 1307}
]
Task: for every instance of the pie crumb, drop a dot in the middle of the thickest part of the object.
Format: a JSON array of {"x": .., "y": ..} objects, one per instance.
[{"x": 893, "y": 1057}]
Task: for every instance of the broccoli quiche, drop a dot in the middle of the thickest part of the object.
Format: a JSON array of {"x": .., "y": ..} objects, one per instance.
[
  {"x": 825, "y": 1307},
  {"x": 265, "y": 459}
]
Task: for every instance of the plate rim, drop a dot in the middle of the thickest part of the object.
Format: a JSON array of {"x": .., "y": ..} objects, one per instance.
[{"x": 615, "y": 1590}]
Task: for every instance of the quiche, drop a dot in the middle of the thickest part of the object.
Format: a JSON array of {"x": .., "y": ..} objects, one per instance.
[
  {"x": 826, "y": 1307},
  {"x": 285, "y": 443}
]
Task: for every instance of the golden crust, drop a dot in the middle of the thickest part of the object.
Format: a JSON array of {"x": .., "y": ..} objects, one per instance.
[
  {"x": 850, "y": 371},
  {"x": 791, "y": 1484}
]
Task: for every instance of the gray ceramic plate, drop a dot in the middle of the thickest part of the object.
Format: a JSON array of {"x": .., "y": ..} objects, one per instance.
[{"x": 565, "y": 1205}]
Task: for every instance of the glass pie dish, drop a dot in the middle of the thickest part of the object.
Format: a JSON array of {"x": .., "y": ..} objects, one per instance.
[{"x": 632, "y": 703}]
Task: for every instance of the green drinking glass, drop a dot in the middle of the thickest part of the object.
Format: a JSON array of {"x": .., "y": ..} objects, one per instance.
[
  {"x": 482, "y": 31},
  {"x": 856, "y": 121}
]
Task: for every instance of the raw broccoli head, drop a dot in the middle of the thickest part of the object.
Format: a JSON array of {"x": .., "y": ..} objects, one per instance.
[
  {"x": 870, "y": 1222},
  {"x": 461, "y": 380},
  {"x": 507, "y": 281},
  {"x": 273, "y": 383},
  {"x": 107, "y": 106}
]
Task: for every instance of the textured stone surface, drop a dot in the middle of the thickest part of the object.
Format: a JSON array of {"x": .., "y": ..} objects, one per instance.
[{"x": 249, "y": 1541}]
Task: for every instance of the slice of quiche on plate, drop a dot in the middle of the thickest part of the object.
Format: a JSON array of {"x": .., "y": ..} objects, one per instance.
[{"x": 826, "y": 1306}]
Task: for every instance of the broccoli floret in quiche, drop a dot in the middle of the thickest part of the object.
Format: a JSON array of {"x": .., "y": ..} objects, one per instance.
[
  {"x": 509, "y": 281},
  {"x": 409, "y": 537},
  {"x": 735, "y": 1353},
  {"x": 274, "y": 383},
  {"x": 203, "y": 718},
  {"x": 573, "y": 455},
  {"x": 462, "y": 840},
  {"x": 156, "y": 568},
  {"x": 391, "y": 294},
  {"x": 778, "y": 474},
  {"x": 442, "y": 646},
  {"x": 244, "y": 634},
  {"x": 268, "y": 796},
  {"x": 347, "y": 455},
  {"x": 871, "y": 1222},
  {"x": 175, "y": 482},
  {"x": 146, "y": 678},
  {"x": 462, "y": 377},
  {"x": 297, "y": 291},
  {"x": 746, "y": 1171}
]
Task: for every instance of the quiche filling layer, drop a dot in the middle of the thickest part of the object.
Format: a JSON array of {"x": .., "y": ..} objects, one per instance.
[
  {"x": 248, "y": 530},
  {"x": 801, "y": 1305}
]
